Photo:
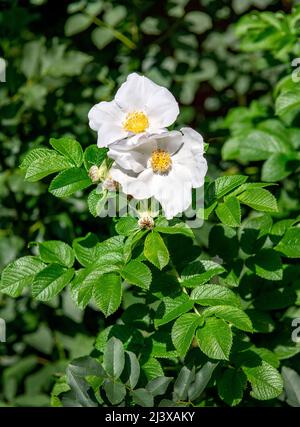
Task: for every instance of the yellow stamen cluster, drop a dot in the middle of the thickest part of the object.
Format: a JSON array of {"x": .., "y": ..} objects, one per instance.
[
  {"x": 161, "y": 161},
  {"x": 136, "y": 122}
]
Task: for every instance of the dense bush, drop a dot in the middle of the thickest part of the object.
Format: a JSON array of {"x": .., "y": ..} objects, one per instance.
[{"x": 99, "y": 312}]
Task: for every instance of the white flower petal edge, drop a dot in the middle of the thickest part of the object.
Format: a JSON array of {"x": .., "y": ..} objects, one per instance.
[
  {"x": 169, "y": 166},
  {"x": 141, "y": 107}
]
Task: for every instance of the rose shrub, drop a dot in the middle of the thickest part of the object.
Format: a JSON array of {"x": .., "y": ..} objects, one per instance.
[{"x": 148, "y": 309}]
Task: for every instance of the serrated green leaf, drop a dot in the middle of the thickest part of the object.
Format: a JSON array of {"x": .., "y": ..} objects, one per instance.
[
  {"x": 180, "y": 228},
  {"x": 233, "y": 315},
  {"x": 152, "y": 369},
  {"x": 224, "y": 185},
  {"x": 215, "y": 295},
  {"x": 35, "y": 154},
  {"x": 70, "y": 148},
  {"x": 259, "y": 199},
  {"x": 229, "y": 212},
  {"x": 183, "y": 332},
  {"x": 289, "y": 245},
  {"x": 69, "y": 181},
  {"x": 96, "y": 201},
  {"x": 127, "y": 225},
  {"x": 199, "y": 272},
  {"x": 50, "y": 282},
  {"x": 44, "y": 166},
  {"x": 55, "y": 251},
  {"x": 156, "y": 251},
  {"x": 215, "y": 338},
  {"x": 94, "y": 156},
  {"x": 137, "y": 273},
  {"x": 172, "y": 307},
  {"x": 108, "y": 293},
  {"x": 265, "y": 380},
  {"x": 19, "y": 274}
]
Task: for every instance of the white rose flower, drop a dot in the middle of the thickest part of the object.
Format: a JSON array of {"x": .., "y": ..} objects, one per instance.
[
  {"x": 166, "y": 166},
  {"x": 140, "y": 107}
]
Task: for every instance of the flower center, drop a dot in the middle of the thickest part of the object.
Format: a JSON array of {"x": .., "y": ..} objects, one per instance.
[
  {"x": 161, "y": 161},
  {"x": 136, "y": 122}
]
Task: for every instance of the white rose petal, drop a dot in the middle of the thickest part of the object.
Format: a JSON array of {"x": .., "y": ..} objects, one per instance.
[
  {"x": 141, "y": 107},
  {"x": 165, "y": 166}
]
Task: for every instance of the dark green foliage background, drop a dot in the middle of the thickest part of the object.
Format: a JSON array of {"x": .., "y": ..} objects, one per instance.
[{"x": 56, "y": 72}]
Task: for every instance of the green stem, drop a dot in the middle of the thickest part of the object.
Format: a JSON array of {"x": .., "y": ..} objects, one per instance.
[{"x": 117, "y": 34}]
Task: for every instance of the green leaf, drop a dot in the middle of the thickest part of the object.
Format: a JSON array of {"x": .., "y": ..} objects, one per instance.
[
  {"x": 289, "y": 245},
  {"x": 77, "y": 371},
  {"x": 115, "y": 391},
  {"x": 69, "y": 148},
  {"x": 287, "y": 102},
  {"x": 142, "y": 397},
  {"x": 172, "y": 307},
  {"x": 253, "y": 145},
  {"x": 83, "y": 284},
  {"x": 50, "y": 282},
  {"x": 158, "y": 385},
  {"x": 108, "y": 293},
  {"x": 86, "y": 249},
  {"x": 202, "y": 378},
  {"x": 198, "y": 22},
  {"x": 182, "y": 383},
  {"x": 183, "y": 332},
  {"x": 137, "y": 273},
  {"x": 259, "y": 199},
  {"x": 199, "y": 272},
  {"x": 96, "y": 201},
  {"x": 94, "y": 156},
  {"x": 127, "y": 225},
  {"x": 266, "y": 264},
  {"x": 19, "y": 274},
  {"x": 278, "y": 166},
  {"x": 152, "y": 369},
  {"x": 45, "y": 166},
  {"x": 77, "y": 23},
  {"x": 55, "y": 251},
  {"x": 101, "y": 37},
  {"x": 180, "y": 228},
  {"x": 160, "y": 343},
  {"x": 233, "y": 315},
  {"x": 115, "y": 15},
  {"x": 114, "y": 358},
  {"x": 231, "y": 386},
  {"x": 229, "y": 212},
  {"x": 265, "y": 380},
  {"x": 69, "y": 181},
  {"x": 134, "y": 368},
  {"x": 215, "y": 295},
  {"x": 291, "y": 381},
  {"x": 35, "y": 154},
  {"x": 224, "y": 185},
  {"x": 215, "y": 338},
  {"x": 156, "y": 251}
]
